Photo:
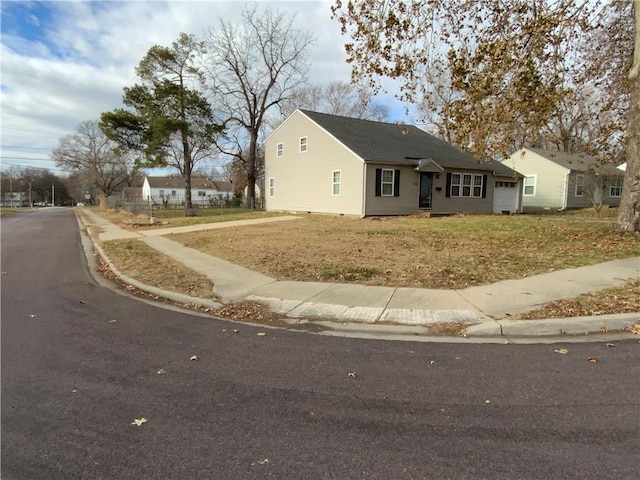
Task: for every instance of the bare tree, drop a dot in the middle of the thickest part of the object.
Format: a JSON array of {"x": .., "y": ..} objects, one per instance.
[
  {"x": 251, "y": 69},
  {"x": 91, "y": 154}
]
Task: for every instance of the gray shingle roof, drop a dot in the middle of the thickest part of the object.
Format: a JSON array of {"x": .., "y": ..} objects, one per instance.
[
  {"x": 577, "y": 161},
  {"x": 398, "y": 144},
  {"x": 196, "y": 182}
]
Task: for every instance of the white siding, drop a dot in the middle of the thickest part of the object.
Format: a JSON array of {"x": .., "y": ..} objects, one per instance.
[{"x": 304, "y": 180}]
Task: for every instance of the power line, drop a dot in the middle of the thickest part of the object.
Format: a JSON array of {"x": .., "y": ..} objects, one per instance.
[
  {"x": 26, "y": 148},
  {"x": 26, "y": 158}
]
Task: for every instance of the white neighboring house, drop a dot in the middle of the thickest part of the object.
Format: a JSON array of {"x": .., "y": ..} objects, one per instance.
[
  {"x": 558, "y": 180},
  {"x": 171, "y": 190}
]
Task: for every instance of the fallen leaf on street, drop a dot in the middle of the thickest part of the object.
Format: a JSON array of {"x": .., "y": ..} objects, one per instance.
[
  {"x": 161, "y": 371},
  {"x": 139, "y": 421},
  {"x": 236, "y": 331},
  {"x": 82, "y": 302},
  {"x": 634, "y": 328},
  {"x": 351, "y": 374},
  {"x": 592, "y": 360},
  {"x": 194, "y": 357},
  {"x": 432, "y": 362},
  {"x": 33, "y": 315},
  {"x": 487, "y": 402},
  {"x": 112, "y": 321},
  {"x": 562, "y": 351},
  {"x": 260, "y": 334},
  {"x": 604, "y": 329},
  {"x": 610, "y": 345},
  {"x": 261, "y": 462}
]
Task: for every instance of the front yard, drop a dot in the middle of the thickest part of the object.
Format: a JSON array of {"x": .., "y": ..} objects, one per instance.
[{"x": 452, "y": 252}]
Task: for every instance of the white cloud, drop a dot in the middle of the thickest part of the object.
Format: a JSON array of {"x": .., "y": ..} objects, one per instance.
[{"x": 90, "y": 51}]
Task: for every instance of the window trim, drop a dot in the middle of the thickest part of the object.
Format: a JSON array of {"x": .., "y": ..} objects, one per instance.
[
  {"x": 272, "y": 186},
  {"x": 383, "y": 183},
  {"x": 616, "y": 186},
  {"x": 303, "y": 144},
  {"x": 335, "y": 184},
  {"x": 579, "y": 183},
  {"x": 524, "y": 185},
  {"x": 280, "y": 149}
]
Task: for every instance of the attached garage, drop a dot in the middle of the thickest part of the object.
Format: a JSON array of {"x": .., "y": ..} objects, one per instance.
[{"x": 506, "y": 196}]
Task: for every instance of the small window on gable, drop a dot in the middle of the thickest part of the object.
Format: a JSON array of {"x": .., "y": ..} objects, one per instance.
[
  {"x": 579, "y": 185},
  {"x": 336, "y": 181},
  {"x": 272, "y": 187},
  {"x": 303, "y": 144},
  {"x": 280, "y": 149}
]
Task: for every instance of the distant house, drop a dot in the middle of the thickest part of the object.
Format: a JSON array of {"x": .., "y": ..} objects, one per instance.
[
  {"x": 14, "y": 199},
  {"x": 171, "y": 190},
  {"x": 316, "y": 162},
  {"x": 559, "y": 180}
]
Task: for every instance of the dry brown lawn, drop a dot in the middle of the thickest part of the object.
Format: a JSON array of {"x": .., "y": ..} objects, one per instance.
[
  {"x": 451, "y": 252},
  {"x": 139, "y": 261}
]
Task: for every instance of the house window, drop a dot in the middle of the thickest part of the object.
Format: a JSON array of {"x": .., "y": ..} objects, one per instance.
[
  {"x": 272, "y": 187},
  {"x": 530, "y": 185},
  {"x": 466, "y": 185},
  {"x": 280, "y": 149},
  {"x": 387, "y": 182},
  {"x": 173, "y": 193},
  {"x": 162, "y": 193},
  {"x": 303, "y": 144},
  {"x": 455, "y": 184},
  {"x": 201, "y": 193},
  {"x": 477, "y": 186},
  {"x": 615, "y": 189},
  {"x": 579, "y": 185},
  {"x": 336, "y": 179}
]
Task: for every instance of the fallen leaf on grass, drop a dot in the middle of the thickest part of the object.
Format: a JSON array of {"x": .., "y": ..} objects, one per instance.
[
  {"x": 592, "y": 360},
  {"x": 139, "y": 421},
  {"x": 562, "y": 351},
  {"x": 194, "y": 357}
]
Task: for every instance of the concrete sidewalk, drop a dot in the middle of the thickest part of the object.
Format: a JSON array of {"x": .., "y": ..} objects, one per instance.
[{"x": 368, "y": 305}]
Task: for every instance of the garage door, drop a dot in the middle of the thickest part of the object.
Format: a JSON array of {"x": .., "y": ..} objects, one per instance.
[{"x": 505, "y": 197}]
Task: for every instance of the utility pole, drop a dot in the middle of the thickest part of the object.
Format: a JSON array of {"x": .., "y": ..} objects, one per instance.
[
  {"x": 11, "y": 188},
  {"x": 53, "y": 195},
  {"x": 30, "y": 199}
]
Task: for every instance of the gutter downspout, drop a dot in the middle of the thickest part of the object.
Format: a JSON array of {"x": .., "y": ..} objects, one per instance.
[{"x": 566, "y": 190}]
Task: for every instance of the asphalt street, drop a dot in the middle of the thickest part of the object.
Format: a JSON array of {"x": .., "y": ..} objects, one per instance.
[{"x": 81, "y": 362}]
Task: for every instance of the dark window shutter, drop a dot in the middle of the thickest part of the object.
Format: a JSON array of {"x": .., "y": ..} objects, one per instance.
[
  {"x": 396, "y": 184},
  {"x": 447, "y": 192},
  {"x": 484, "y": 186},
  {"x": 378, "y": 182}
]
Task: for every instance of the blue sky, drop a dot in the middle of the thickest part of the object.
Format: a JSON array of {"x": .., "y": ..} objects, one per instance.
[{"x": 65, "y": 62}]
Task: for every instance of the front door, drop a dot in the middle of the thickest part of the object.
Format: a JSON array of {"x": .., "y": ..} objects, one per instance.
[{"x": 426, "y": 181}]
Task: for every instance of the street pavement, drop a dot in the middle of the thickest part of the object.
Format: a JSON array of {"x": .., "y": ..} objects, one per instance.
[
  {"x": 81, "y": 362},
  {"x": 357, "y": 309}
]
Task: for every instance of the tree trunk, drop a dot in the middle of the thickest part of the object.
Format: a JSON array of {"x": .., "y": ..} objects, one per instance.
[
  {"x": 188, "y": 167},
  {"x": 629, "y": 213},
  {"x": 251, "y": 171}
]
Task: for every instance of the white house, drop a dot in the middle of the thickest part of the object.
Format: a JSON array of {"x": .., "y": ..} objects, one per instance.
[
  {"x": 558, "y": 180},
  {"x": 171, "y": 190}
]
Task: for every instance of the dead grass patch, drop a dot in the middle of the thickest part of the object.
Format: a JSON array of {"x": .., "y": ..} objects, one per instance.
[
  {"x": 625, "y": 299},
  {"x": 139, "y": 261},
  {"x": 452, "y": 252}
]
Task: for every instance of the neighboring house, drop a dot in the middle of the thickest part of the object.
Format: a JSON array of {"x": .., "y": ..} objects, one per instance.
[
  {"x": 14, "y": 199},
  {"x": 558, "y": 180},
  {"x": 316, "y": 162},
  {"x": 171, "y": 190}
]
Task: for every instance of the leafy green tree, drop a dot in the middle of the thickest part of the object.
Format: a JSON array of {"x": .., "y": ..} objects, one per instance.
[
  {"x": 168, "y": 120},
  {"x": 251, "y": 69}
]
